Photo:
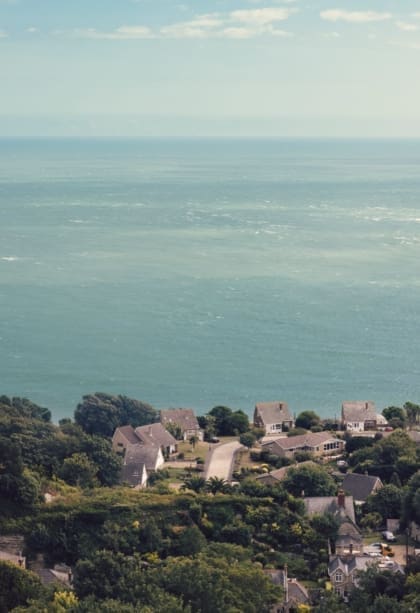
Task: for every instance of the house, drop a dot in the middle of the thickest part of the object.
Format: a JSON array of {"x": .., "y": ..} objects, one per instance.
[
  {"x": 156, "y": 434},
  {"x": 185, "y": 420},
  {"x": 318, "y": 443},
  {"x": 295, "y": 594},
  {"x": 274, "y": 417},
  {"x": 334, "y": 505},
  {"x": 349, "y": 539},
  {"x": 343, "y": 572},
  {"x": 361, "y": 486},
  {"x": 151, "y": 434},
  {"x": 359, "y": 415},
  {"x": 123, "y": 437},
  {"x": 134, "y": 474}
]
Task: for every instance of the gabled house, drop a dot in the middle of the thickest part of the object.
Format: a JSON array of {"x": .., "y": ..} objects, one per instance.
[
  {"x": 274, "y": 417},
  {"x": 151, "y": 434},
  {"x": 361, "y": 486},
  {"x": 123, "y": 437},
  {"x": 185, "y": 420},
  {"x": 155, "y": 434},
  {"x": 358, "y": 415},
  {"x": 318, "y": 443},
  {"x": 343, "y": 572},
  {"x": 349, "y": 539}
]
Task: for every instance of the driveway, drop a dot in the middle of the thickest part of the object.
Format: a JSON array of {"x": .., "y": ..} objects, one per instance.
[{"x": 221, "y": 460}]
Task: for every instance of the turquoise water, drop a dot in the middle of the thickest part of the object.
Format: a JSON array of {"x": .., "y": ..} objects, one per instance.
[{"x": 198, "y": 273}]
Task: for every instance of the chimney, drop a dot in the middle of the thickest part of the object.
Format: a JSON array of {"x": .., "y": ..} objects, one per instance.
[
  {"x": 366, "y": 405},
  {"x": 341, "y": 499},
  {"x": 351, "y": 548}
]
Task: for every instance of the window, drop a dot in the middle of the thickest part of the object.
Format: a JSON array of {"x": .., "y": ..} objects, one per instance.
[{"x": 339, "y": 577}]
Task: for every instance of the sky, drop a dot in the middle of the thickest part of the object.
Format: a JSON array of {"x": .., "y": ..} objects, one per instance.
[{"x": 220, "y": 68}]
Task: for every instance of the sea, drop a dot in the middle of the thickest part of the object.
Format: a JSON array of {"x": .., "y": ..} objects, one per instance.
[{"x": 194, "y": 273}]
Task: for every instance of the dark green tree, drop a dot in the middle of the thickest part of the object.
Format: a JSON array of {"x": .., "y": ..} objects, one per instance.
[
  {"x": 307, "y": 420},
  {"x": 17, "y": 587},
  {"x": 312, "y": 480}
]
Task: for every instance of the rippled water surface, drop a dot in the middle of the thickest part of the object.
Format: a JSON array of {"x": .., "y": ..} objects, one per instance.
[{"x": 199, "y": 273}]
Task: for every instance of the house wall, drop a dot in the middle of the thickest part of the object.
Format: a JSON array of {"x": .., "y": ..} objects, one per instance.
[{"x": 119, "y": 443}]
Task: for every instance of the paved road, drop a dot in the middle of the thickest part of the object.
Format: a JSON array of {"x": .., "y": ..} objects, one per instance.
[{"x": 221, "y": 459}]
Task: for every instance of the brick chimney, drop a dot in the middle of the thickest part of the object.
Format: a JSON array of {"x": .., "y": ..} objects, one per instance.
[{"x": 341, "y": 499}]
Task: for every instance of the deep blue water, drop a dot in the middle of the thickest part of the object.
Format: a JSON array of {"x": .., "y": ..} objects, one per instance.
[{"x": 204, "y": 272}]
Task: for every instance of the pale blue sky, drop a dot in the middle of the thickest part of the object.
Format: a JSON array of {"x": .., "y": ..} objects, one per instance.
[{"x": 210, "y": 68}]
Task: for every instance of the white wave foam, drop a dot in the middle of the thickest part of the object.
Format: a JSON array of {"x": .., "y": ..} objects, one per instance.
[{"x": 9, "y": 258}]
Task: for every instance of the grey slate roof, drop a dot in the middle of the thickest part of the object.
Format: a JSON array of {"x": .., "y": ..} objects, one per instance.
[
  {"x": 273, "y": 412},
  {"x": 155, "y": 434},
  {"x": 184, "y": 418},
  {"x": 132, "y": 473},
  {"x": 360, "y": 486},
  {"x": 129, "y": 434},
  {"x": 142, "y": 454},
  {"x": 318, "y": 505},
  {"x": 358, "y": 410},
  {"x": 349, "y": 564},
  {"x": 49, "y": 576}
]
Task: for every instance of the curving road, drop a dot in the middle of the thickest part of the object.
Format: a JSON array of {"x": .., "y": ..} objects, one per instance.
[{"x": 221, "y": 460}]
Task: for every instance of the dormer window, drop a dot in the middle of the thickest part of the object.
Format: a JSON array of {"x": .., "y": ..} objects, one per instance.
[{"x": 339, "y": 577}]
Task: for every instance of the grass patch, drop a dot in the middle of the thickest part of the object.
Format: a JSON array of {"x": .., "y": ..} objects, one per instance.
[{"x": 200, "y": 450}]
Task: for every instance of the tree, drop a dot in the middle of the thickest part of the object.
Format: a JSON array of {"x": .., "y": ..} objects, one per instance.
[
  {"x": 79, "y": 470},
  {"x": 174, "y": 429},
  {"x": 216, "y": 485},
  {"x": 228, "y": 422},
  {"x": 395, "y": 414},
  {"x": 193, "y": 440},
  {"x": 387, "y": 502},
  {"x": 196, "y": 484},
  {"x": 307, "y": 420},
  {"x": 17, "y": 586},
  {"x": 247, "y": 439},
  {"x": 101, "y": 413},
  {"x": 413, "y": 413},
  {"x": 210, "y": 585},
  {"x": 312, "y": 480},
  {"x": 190, "y": 542}
]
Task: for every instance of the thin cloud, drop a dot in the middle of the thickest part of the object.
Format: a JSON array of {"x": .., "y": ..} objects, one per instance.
[
  {"x": 354, "y": 16},
  {"x": 3, "y": 34},
  {"x": 407, "y": 27},
  {"x": 121, "y": 33},
  {"x": 239, "y": 24},
  {"x": 261, "y": 17}
]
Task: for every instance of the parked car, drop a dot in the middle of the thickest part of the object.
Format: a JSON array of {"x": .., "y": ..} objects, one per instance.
[{"x": 388, "y": 535}]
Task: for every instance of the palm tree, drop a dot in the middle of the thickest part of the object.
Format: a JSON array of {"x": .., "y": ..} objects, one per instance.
[
  {"x": 216, "y": 485},
  {"x": 194, "y": 483}
]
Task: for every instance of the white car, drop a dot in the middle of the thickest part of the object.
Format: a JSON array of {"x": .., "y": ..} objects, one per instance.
[{"x": 388, "y": 535}]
